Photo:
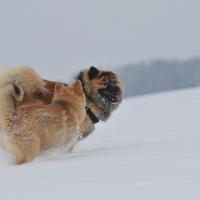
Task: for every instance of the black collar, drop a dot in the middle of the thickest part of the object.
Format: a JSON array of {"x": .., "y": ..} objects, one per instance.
[{"x": 92, "y": 116}]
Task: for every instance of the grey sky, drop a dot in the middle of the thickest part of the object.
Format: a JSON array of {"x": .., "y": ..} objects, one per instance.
[{"x": 62, "y": 34}]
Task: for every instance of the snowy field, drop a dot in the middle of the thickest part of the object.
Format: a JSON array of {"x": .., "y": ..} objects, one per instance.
[{"x": 149, "y": 149}]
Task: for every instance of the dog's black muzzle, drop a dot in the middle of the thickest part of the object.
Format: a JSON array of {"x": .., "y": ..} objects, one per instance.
[{"x": 111, "y": 93}]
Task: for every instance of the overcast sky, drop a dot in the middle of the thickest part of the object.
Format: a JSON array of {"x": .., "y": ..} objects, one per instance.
[{"x": 63, "y": 34}]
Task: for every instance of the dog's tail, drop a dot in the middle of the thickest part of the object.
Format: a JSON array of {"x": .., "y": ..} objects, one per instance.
[
  {"x": 24, "y": 76},
  {"x": 10, "y": 94}
]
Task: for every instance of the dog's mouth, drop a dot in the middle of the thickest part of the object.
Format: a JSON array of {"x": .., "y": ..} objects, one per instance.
[
  {"x": 111, "y": 94},
  {"x": 111, "y": 98}
]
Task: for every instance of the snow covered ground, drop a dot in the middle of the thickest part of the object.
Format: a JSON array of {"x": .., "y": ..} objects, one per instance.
[{"x": 149, "y": 149}]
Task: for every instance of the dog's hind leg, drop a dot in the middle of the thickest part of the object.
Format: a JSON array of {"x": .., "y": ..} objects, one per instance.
[{"x": 23, "y": 149}]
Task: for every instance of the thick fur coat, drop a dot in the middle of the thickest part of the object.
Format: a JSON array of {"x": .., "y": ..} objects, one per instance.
[{"x": 31, "y": 127}]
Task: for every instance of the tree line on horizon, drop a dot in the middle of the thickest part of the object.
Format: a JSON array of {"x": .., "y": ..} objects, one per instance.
[{"x": 159, "y": 75}]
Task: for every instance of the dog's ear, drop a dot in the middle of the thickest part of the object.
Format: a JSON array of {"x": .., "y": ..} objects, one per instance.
[
  {"x": 18, "y": 92},
  {"x": 78, "y": 87},
  {"x": 93, "y": 72},
  {"x": 57, "y": 87}
]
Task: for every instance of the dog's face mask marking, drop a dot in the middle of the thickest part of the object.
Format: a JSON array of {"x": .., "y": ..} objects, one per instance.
[{"x": 105, "y": 89}]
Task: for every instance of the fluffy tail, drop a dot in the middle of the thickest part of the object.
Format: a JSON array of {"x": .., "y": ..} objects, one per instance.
[
  {"x": 9, "y": 95},
  {"x": 24, "y": 76}
]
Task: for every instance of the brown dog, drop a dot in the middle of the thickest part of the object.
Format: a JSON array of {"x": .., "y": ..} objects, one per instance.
[
  {"x": 30, "y": 128},
  {"x": 103, "y": 91}
]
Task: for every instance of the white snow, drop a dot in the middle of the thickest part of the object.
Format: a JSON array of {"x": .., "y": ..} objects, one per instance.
[{"x": 149, "y": 149}]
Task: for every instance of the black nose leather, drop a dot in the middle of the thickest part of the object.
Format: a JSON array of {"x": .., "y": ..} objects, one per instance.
[{"x": 114, "y": 90}]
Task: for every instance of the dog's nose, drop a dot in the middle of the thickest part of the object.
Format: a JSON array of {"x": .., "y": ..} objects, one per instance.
[{"x": 114, "y": 90}]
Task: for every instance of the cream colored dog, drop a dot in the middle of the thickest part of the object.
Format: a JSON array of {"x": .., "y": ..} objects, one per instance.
[{"x": 30, "y": 128}]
